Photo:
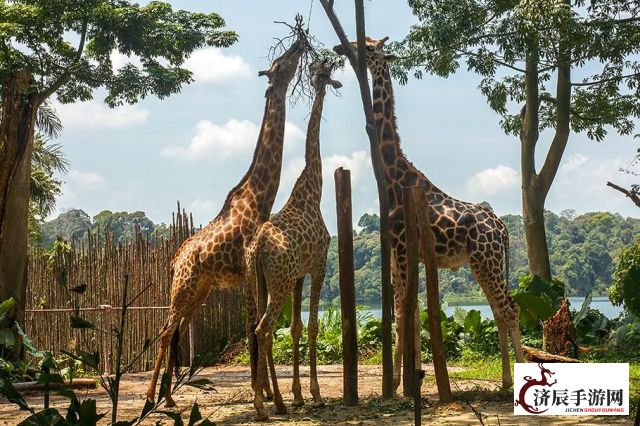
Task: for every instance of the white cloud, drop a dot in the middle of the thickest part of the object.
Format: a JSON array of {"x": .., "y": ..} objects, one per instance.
[
  {"x": 119, "y": 60},
  {"x": 208, "y": 65},
  {"x": 357, "y": 163},
  {"x": 221, "y": 141},
  {"x": 492, "y": 181},
  {"x": 572, "y": 165},
  {"x": 202, "y": 209},
  {"x": 86, "y": 180},
  {"x": 212, "y": 66},
  {"x": 581, "y": 184},
  {"x": 94, "y": 114}
]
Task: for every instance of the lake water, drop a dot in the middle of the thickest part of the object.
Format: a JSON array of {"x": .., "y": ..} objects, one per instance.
[{"x": 601, "y": 303}]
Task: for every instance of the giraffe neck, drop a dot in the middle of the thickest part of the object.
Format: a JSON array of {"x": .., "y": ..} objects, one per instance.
[
  {"x": 398, "y": 170},
  {"x": 263, "y": 177},
  {"x": 308, "y": 187}
]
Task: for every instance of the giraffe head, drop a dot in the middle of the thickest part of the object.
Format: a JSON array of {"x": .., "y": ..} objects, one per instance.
[
  {"x": 283, "y": 68},
  {"x": 320, "y": 74},
  {"x": 376, "y": 56}
]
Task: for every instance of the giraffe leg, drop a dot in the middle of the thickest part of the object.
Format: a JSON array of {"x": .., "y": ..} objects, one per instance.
[
  {"x": 317, "y": 279},
  {"x": 277, "y": 396},
  {"x": 165, "y": 339},
  {"x": 399, "y": 317},
  {"x": 514, "y": 329},
  {"x": 296, "y": 334},
  {"x": 173, "y": 355},
  {"x": 507, "y": 382},
  {"x": 264, "y": 335}
]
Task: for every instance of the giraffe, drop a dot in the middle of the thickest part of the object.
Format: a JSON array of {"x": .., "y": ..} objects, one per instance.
[
  {"x": 291, "y": 244},
  {"x": 214, "y": 257},
  {"x": 464, "y": 233}
]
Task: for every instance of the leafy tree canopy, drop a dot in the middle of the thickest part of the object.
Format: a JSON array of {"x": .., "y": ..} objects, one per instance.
[
  {"x": 66, "y": 45},
  {"x": 600, "y": 40}
]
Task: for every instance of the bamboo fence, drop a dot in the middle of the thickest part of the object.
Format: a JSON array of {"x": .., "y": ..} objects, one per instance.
[{"x": 101, "y": 265}]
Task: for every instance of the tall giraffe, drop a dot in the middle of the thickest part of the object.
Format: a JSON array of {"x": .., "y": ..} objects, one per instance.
[
  {"x": 463, "y": 232},
  {"x": 214, "y": 257},
  {"x": 293, "y": 243}
]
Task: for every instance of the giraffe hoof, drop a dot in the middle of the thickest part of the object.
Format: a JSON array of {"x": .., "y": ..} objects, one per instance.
[
  {"x": 318, "y": 404},
  {"x": 281, "y": 409},
  {"x": 262, "y": 416},
  {"x": 298, "y": 403},
  {"x": 170, "y": 403},
  {"x": 268, "y": 396}
]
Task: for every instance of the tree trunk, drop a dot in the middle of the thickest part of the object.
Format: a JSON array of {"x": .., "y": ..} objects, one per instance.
[
  {"x": 533, "y": 218},
  {"x": 16, "y": 143}
]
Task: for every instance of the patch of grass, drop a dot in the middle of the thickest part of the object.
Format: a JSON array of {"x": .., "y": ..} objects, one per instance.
[{"x": 479, "y": 369}]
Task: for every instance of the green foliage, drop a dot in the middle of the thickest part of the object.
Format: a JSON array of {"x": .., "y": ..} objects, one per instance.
[
  {"x": 369, "y": 223},
  {"x": 67, "y": 46},
  {"x": 625, "y": 287},
  {"x": 538, "y": 299},
  {"x": 74, "y": 224},
  {"x": 493, "y": 40}
]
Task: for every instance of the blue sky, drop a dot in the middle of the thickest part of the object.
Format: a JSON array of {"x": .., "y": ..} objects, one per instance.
[{"x": 196, "y": 145}]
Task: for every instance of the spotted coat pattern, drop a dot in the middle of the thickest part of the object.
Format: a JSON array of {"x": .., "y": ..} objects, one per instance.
[
  {"x": 464, "y": 233},
  {"x": 293, "y": 243},
  {"x": 214, "y": 257}
]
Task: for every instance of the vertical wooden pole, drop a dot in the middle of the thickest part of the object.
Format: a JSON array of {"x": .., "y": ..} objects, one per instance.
[
  {"x": 417, "y": 397},
  {"x": 433, "y": 301},
  {"x": 411, "y": 292},
  {"x": 347, "y": 287}
]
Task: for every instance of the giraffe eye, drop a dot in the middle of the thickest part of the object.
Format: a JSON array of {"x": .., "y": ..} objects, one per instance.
[{"x": 370, "y": 48}]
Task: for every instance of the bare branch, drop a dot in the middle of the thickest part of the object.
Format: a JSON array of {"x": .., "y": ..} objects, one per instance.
[
  {"x": 493, "y": 58},
  {"x": 631, "y": 194},
  {"x": 606, "y": 80},
  {"x": 66, "y": 74}
]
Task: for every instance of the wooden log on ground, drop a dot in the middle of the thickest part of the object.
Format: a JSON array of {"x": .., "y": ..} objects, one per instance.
[
  {"x": 347, "y": 287},
  {"x": 536, "y": 355},
  {"x": 558, "y": 333},
  {"x": 75, "y": 384}
]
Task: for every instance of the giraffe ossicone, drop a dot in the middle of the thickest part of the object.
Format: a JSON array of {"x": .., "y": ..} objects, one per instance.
[{"x": 464, "y": 233}]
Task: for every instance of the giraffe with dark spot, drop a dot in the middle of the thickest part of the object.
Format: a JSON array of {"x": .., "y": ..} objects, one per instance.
[
  {"x": 464, "y": 233},
  {"x": 292, "y": 244},
  {"x": 214, "y": 257}
]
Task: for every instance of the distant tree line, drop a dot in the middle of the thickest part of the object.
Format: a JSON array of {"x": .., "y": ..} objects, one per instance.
[{"x": 583, "y": 249}]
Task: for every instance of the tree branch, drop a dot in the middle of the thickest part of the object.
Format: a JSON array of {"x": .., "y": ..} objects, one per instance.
[
  {"x": 605, "y": 80},
  {"x": 493, "y": 58},
  {"x": 613, "y": 21},
  {"x": 634, "y": 197},
  {"x": 66, "y": 74},
  {"x": 563, "y": 117}
]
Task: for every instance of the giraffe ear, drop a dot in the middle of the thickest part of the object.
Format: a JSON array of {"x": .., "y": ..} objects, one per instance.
[
  {"x": 336, "y": 84},
  {"x": 263, "y": 72}
]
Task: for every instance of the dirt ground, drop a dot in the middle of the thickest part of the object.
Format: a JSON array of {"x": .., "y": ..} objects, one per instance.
[{"x": 231, "y": 402}]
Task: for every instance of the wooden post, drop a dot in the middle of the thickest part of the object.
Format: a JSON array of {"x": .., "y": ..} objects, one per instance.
[
  {"x": 433, "y": 300},
  {"x": 417, "y": 397},
  {"x": 347, "y": 287},
  {"x": 411, "y": 291},
  {"x": 359, "y": 66}
]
